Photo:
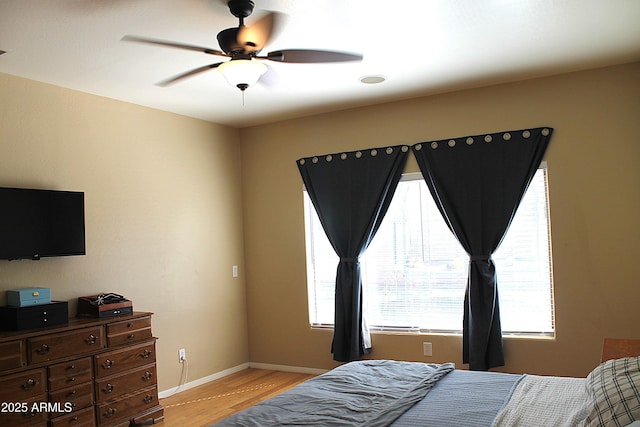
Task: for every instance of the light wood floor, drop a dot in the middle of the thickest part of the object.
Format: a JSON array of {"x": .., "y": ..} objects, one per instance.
[{"x": 211, "y": 402}]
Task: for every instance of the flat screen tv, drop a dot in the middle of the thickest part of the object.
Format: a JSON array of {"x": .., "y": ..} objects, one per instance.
[{"x": 41, "y": 223}]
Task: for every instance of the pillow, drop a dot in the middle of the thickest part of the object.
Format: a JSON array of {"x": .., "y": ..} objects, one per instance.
[{"x": 613, "y": 393}]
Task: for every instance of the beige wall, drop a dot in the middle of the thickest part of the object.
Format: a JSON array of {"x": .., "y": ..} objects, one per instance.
[
  {"x": 594, "y": 179},
  {"x": 166, "y": 196},
  {"x": 163, "y": 215}
]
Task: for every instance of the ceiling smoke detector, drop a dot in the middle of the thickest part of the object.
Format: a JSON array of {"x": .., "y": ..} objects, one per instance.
[{"x": 372, "y": 79}]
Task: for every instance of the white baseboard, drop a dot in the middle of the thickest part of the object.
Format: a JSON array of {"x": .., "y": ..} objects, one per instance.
[
  {"x": 285, "y": 368},
  {"x": 203, "y": 380},
  {"x": 226, "y": 372}
]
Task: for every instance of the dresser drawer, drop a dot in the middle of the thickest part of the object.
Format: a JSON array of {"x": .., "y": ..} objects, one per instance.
[
  {"x": 24, "y": 415},
  {"x": 127, "y": 406},
  {"x": 73, "y": 398},
  {"x": 67, "y": 374},
  {"x": 65, "y": 344},
  {"x": 117, "y": 361},
  {"x": 129, "y": 331},
  {"x": 128, "y": 325},
  {"x": 22, "y": 386},
  {"x": 152, "y": 416},
  {"x": 82, "y": 418},
  {"x": 12, "y": 355},
  {"x": 121, "y": 423},
  {"x": 116, "y": 386}
]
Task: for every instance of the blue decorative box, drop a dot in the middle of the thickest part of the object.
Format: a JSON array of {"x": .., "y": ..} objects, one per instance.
[{"x": 28, "y": 296}]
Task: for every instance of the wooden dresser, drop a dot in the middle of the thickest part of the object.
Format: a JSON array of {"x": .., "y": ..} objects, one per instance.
[{"x": 91, "y": 372}]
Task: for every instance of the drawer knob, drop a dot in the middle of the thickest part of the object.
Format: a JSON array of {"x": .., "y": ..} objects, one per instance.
[
  {"x": 43, "y": 349},
  {"x": 145, "y": 354},
  {"x": 107, "y": 364},
  {"x": 108, "y": 388},
  {"x": 129, "y": 325},
  {"x": 75, "y": 418},
  {"x": 72, "y": 379},
  {"x": 110, "y": 412},
  {"x": 90, "y": 340},
  {"x": 71, "y": 367},
  {"x": 130, "y": 336},
  {"x": 31, "y": 383},
  {"x": 147, "y": 376},
  {"x": 148, "y": 398}
]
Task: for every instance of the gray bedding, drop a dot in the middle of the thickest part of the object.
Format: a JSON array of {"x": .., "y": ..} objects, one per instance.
[
  {"x": 371, "y": 393},
  {"x": 378, "y": 393},
  {"x": 462, "y": 399}
]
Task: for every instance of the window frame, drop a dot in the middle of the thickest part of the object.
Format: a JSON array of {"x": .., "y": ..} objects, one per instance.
[{"x": 413, "y": 330}]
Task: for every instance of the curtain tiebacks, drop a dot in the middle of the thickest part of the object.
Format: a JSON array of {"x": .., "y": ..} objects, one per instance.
[
  {"x": 344, "y": 259},
  {"x": 480, "y": 257}
]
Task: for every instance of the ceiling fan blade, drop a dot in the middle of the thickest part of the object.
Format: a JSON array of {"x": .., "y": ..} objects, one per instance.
[
  {"x": 255, "y": 36},
  {"x": 311, "y": 56},
  {"x": 190, "y": 73},
  {"x": 167, "y": 43}
]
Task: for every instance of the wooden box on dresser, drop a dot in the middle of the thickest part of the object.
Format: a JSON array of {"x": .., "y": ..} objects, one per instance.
[{"x": 91, "y": 372}]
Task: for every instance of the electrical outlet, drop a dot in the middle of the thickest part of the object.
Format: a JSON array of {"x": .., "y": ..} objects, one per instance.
[
  {"x": 182, "y": 355},
  {"x": 427, "y": 348}
]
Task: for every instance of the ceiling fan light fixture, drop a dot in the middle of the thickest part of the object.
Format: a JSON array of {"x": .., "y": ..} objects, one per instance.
[{"x": 242, "y": 73}]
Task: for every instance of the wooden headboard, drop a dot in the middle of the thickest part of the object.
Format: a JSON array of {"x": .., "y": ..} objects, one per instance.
[{"x": 614, "y": 348}]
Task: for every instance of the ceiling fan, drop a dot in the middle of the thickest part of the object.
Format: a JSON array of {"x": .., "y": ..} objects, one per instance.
[{"x": 242, "y": 44}]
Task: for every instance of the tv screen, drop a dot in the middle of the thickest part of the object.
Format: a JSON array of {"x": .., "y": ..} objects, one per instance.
[{"x": 41, "y": 223}]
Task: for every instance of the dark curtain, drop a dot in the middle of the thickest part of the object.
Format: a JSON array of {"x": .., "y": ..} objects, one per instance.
[
  {"x": 351, "y": 193},
  {"x": 477, "y": 183}
]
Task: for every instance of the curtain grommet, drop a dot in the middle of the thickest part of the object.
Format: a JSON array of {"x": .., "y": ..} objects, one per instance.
[
  {"x": 506, "y": 136},
  {"x": 329, "y": 158},
  {"x": 452, "y": 143},
  {"x": 343, "y": 156},
  {"x": 545, "y": 132},
  {"x": 358, "y": 154},
  {"x": 374, "y": 152},
  {"x": 301, "y": 161},
  {"x": 314, "y": 160},
  {"x": 488, "y": 138},
  {"x": 434, "y": 145},
  {"x": 389, "y": 150},
  {"x": 418, "y": 147},
  {"x": 526, "y": 134},
  {"x": 469, "y": 141}
]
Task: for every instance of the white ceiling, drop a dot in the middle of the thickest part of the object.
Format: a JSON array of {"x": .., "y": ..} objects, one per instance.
[{"x": 421, "y": 46}]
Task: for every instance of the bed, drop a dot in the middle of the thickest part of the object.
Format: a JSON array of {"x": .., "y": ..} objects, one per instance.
[{"x": 379, "y": 393}]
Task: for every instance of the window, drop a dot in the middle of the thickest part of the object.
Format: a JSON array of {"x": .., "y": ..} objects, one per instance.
[{"x": 415, "y": 271}]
